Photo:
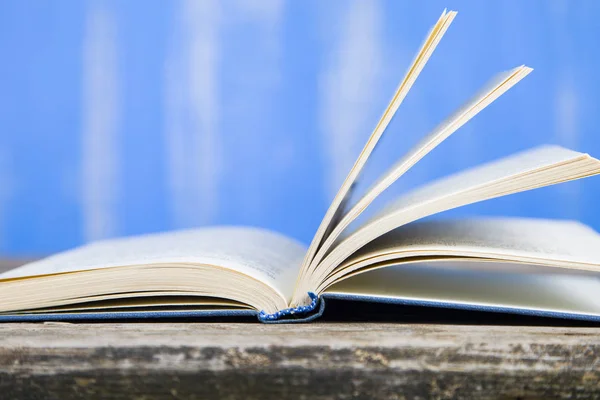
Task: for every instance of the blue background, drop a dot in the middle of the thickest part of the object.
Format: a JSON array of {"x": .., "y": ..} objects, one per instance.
[{"x": 125, "y": 117}]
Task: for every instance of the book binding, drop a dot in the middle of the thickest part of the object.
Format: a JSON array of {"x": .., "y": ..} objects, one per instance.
[{"x": 293, "y": 312}]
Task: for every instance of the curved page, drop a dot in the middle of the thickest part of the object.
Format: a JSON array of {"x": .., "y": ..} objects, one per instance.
[
  {"x": 564, "y": 245},
  {"x": 260, "y": 254}
]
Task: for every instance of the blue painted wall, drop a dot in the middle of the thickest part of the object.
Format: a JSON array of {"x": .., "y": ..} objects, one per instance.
[{"x": 124, "y": 117}]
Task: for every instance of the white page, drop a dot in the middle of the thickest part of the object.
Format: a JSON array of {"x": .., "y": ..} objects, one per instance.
[
  {"x": 499, "y": 85},
  {"x": 336, "y": 209},
  {"x": 554, "y": 243},
  {"x": 547, "y": 239},
  {"x": 480, "y": 284},
  {"x": 264, "y": 255},
  {"x": 542, "y": 166}
]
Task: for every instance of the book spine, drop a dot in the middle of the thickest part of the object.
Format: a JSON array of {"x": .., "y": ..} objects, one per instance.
[{"x": 294, "y": 314}]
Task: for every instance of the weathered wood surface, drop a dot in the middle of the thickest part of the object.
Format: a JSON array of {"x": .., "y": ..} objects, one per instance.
[{"x": 311, "y": 361}]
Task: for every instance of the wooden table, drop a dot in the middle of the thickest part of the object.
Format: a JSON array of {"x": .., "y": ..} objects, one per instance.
[{"x": 372, "y": 360}]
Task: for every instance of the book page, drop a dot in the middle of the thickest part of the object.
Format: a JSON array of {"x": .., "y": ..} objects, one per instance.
[
  {"x": 489, "y": 284},
  {"x": 263, "y": 255},
  {"x": 499, "y": 85},
  {"x": 554, "y": 243},
  {"x": 336, "y": 208},
  {"x": 538, "y": 167}
]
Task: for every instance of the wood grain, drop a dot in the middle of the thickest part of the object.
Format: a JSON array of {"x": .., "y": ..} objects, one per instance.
[{"x": 317, "y": 361}]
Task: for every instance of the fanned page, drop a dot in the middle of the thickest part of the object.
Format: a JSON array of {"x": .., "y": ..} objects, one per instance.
[
  {"x": 539, "y": 167},
  {"x": 336, "y": 209},
  {"x": 248, "y": 265},
  {"x": 498, "y": 86}
]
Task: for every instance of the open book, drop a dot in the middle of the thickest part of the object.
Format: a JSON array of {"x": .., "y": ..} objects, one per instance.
[{"x": 539, "y": 267}]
